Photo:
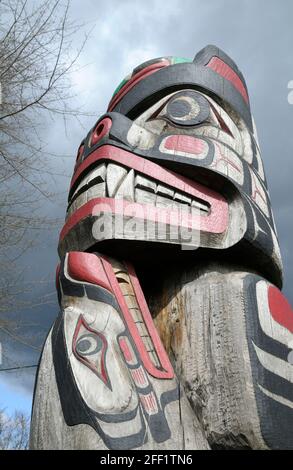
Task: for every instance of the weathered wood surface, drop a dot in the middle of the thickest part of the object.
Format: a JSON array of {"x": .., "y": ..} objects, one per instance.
[
  {"x": 203, "y": 327},
  {"x": 194, "y": 350},
  {"x": 175, "y": 427}
]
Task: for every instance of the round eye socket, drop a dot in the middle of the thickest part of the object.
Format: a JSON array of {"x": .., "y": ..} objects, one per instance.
[
  {"x": 188, "y": 109},
  {"x": 180, "y": 108},
  {"x": 89, "y": 344},
  {"x": 102, "y": 128}
]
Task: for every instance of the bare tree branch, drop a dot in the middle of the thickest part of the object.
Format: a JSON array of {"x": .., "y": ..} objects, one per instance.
[
  {"x": 14, "y": 431},
  {"x": 37, "y": 57}
]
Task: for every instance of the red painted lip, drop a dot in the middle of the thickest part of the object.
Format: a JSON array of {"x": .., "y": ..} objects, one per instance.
[
  {"x": 216, "y": 222},
  {"x": 151, "y": 169}
]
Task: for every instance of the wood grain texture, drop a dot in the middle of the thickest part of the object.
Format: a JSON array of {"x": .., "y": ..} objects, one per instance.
[
  {"x": 172, "y": 332},
  {"x": 203, "y": 329}
]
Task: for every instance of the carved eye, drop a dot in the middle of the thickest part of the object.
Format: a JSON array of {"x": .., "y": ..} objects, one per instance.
[
  {"x": 89, "y": 344},
  {"x": 187, "y": 108},
  {"x": 90, "y": 347}
]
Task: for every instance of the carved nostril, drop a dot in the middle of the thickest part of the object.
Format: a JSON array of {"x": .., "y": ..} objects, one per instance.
[{"x": 101, "y": 129}]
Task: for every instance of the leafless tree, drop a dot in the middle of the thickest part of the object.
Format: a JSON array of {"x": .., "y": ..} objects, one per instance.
[
  {"x": 37, "y": 56},
  {"x": 14, "y": 431}
]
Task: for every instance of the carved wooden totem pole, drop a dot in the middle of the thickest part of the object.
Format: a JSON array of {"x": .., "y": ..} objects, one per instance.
[{"x": 172, "y": 332}]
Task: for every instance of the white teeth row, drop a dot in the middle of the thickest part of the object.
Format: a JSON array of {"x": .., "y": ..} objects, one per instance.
[
  {"x": 130, "y": 299},
  {"x": 117, "y": 182}
]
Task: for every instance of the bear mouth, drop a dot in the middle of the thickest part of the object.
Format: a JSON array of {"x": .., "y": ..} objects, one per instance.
[{"x": 115, "y": 181}]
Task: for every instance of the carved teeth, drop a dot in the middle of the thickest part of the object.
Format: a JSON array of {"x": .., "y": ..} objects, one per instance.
[
  {"x": 115, "y": 175},
  {"x": 93, "y": 185},
  {"x": 164, "y": 202},
  {"x": 77, "y": 203},
  {"x": 98, "y": 174},
  {"x": 146, "y": 184},
  {"x": 131, "y": 302},
  {"x": 164, "y": 191},
  {"x": 141, "y": 329},
  {"x": 126, "y": 189},
  {"x": 98, "y": 190},
  {"x": 130, "y": 299},
  {"x": 145, "y": 197},
  {"x": 197, "y": 206},
  {"x": 115, "y": 181},
  {"x": 181, "y": 198},
  {"x": 148, "y": 192}
]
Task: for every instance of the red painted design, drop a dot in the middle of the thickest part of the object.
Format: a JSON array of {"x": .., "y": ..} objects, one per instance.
[
  {"x": 280, "y": 308},
  {"x": 99, "y": 367},
  {"x": 87, "y": 267},
  {"x": 225, "y": 159},
  {"x": 102, "y": 128},
  {"x": 256, "y": 191},
  {"x": 223, "y": 69},
  {"x": 148, "y": 319},
  {"x": 149, "y": 168},
  {"x": 135, "y": 80},
  {"x": 166, "y": 370},
  {"x": 149, "y": 403},
  {"x": 186, "y": 144},
  {"x": 222, "y": 123},
  {"x": 215, "y": 222},
  {"x": 127, "y": 351},
  {"x": 139, "y": 377}
]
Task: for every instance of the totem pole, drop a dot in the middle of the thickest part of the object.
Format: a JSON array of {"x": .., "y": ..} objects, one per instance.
[{"x": 172, "y": 332}]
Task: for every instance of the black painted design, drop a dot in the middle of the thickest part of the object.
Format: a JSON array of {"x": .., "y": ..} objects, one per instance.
[
  {"x": 75, "y": 410},
  {"x": 187, "y": 108},
  {"x": 276, "y": 419}
]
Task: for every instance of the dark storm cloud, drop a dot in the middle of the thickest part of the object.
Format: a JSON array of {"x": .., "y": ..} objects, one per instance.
[{"x": 256, "y": 34}]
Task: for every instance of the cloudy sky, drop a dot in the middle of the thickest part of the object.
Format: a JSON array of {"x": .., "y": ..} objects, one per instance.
[{"x": 257, "y": 34}]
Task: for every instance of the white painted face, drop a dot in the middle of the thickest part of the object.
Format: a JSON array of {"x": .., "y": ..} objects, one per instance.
[
  {"x": 203, "y": 117},
  {"x": 101, "y": 375},
  {"x": 198, "y": 119}
]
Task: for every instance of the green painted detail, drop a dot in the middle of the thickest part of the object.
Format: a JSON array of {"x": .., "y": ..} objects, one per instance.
[
  {"x": 179, "y": 60},
  {"x": 121, "y": 84},
  {"x": 173, "y": 60}
]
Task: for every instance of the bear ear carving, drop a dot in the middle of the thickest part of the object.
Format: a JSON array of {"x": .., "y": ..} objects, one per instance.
[{"x": 218, "y": 61}]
